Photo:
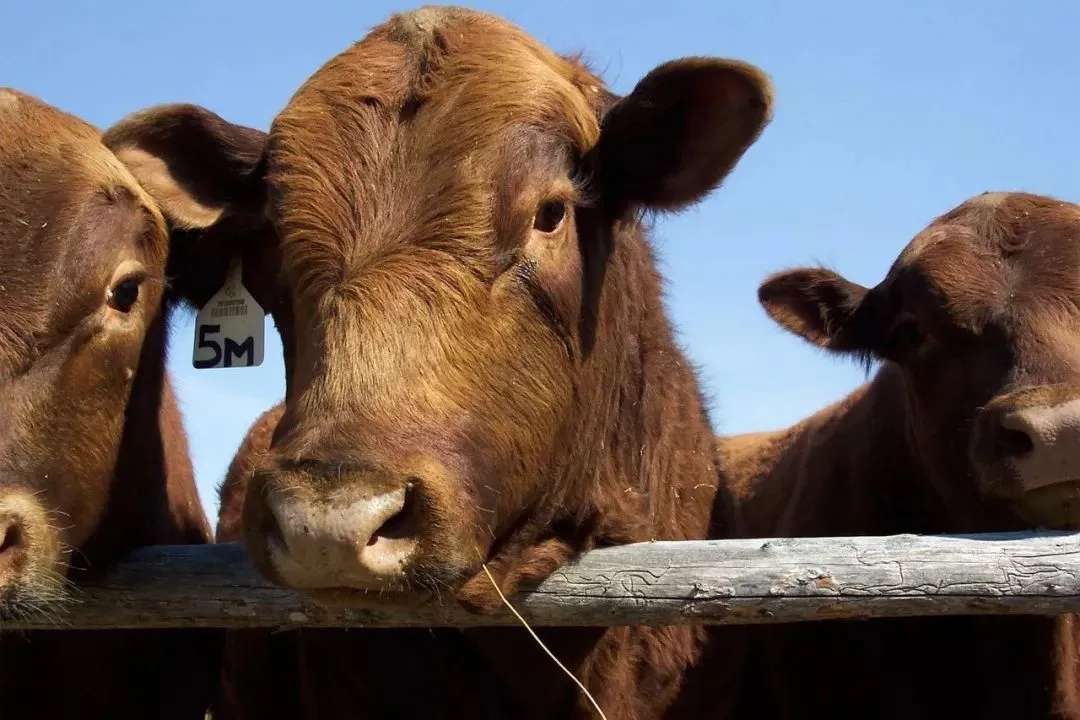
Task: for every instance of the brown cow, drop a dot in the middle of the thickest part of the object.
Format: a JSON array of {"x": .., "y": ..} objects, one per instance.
[
  {"x": 93, "y": 458},
  {"x": 479, "y": 365},
  {"x": 970, "y": 425}
]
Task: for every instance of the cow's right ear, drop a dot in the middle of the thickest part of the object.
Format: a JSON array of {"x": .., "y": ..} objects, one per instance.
[
  {"x": 821, "y": 307},
  {"x": 207, "y": 177},
  {"x": 680, "y": 132}
]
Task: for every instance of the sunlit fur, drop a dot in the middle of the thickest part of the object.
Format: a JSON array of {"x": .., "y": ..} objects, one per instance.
[
  {"x": 69, "y": 215},
  {"x": 93, "y": 459},
  {"x": 521, "y": 376},
  {"x": 433, "y": 331}
]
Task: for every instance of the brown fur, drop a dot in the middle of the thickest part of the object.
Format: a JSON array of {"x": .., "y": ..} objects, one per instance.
[
  {"x": 91, "y": 443},
  {"x": 979, "y": 311},
  {"x": 471, "y": 310}
]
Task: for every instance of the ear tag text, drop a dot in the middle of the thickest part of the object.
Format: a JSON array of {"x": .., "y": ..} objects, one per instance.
[{"x": 229, "y": 327}]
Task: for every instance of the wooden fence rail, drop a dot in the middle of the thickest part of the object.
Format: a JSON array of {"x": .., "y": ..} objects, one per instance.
[{"x": 657, "y": 583}]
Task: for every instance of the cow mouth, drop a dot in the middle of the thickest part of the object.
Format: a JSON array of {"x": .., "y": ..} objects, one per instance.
[
  {"x": 24, "y": 601},
  {"x": 1055, "y": 506},
  {"x": 37, "y": 590},
  {"x": 412, "y": 588},
  {"x": 360, "y": 582},
  {"x": 33, "y": 569}
]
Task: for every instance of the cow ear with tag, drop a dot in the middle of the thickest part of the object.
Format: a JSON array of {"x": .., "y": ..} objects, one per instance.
[
  {"x": 229, "y": 327},
  {"x": 207, "y": 177}
]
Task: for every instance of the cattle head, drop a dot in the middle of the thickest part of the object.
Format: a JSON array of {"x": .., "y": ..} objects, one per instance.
[
  {"x": 444, "y": 203},
  {"x": 981, "y": 312},
  {"x": 82, "y": 256}
]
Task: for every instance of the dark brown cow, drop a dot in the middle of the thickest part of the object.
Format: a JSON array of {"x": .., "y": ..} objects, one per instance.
[
  {"x": 972, "y": 424},
  {"x": 93, "y": 458},
  {"x": 479, "y": 365}
]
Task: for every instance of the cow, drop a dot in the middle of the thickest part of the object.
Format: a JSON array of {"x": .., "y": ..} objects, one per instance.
[
  {"x": 969, "y": 425},
  {"x": 446, "y": 223},
  {"x": 93, "y": 457}
]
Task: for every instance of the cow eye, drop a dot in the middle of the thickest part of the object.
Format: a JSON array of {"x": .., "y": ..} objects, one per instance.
[
  {"x": 549, "y": 216},
  {"x": 124, "y": 294}
]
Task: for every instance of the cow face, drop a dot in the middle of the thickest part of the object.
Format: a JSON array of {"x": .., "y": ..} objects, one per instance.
[
  {"x": 82, "y": 254},
  {"x": 442, "y": 200},
  {"x": 982, "y": 313}
]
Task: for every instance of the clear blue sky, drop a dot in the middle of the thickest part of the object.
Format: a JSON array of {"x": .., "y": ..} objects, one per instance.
[{"x": 887, "y": 114}]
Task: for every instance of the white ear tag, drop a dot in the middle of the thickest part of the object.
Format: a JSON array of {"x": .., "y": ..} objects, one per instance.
[{"x": 229, "y": 328}]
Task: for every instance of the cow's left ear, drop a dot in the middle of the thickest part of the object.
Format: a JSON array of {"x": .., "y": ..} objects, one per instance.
[
  {"x": 822, "y": 307},
  {"x": 682, "y": 129}
]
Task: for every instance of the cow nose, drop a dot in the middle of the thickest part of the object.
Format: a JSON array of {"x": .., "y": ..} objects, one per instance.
[
  {"x": 1042, "y": 443},
  {"x": 1014, "y": 438},
  {"x": 13, "y": 544},
  {"x": 364, "y": 542}
]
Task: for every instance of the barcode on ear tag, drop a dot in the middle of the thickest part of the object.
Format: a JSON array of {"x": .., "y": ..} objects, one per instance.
[{"x": 229, "y": 328}]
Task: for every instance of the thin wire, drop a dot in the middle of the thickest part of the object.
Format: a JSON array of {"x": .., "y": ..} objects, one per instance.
[{"x": 542, "y": 645}]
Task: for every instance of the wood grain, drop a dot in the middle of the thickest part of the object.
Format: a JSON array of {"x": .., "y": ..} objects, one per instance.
[{"x": 657, "y": 583}]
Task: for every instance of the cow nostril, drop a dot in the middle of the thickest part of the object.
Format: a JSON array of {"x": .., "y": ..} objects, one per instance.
[
  {"x": 11, "y": 539},
  {"x": 1013, "y": 443},
  {"x": 272, "y": 530},
  {"x": 403, "y": 524}
]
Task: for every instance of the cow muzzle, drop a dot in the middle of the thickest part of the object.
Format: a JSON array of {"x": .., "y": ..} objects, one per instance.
[
  {"x": 362, "y": 532},
  {"x": 1027, "y": 449},
  {"x": 30, "y": 562}
]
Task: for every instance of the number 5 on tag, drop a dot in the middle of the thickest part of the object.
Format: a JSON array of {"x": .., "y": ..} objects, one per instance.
[{"x": 229, "y": 328}]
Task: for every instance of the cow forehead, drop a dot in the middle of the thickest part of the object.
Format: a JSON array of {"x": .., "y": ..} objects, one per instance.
[
  {"x": 58, "y": 155},
  {"x": 996, "y": 223},
  {"x": 404, "y": 136},
  {"x": 452, "y": 86},
  {"x": 66, "y": 205},
  {"x": 444, "y": 78},
  {"x": 1000, "y": 253}
]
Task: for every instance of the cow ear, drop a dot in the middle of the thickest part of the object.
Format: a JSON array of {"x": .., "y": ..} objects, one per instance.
[
  {"x": 207, "y": 177},
  {"x": 821, "y": 307},
  {"x": 683, "y": 128}
]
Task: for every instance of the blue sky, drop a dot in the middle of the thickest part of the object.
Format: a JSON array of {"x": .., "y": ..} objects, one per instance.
[{"x": 887, "y": 114}]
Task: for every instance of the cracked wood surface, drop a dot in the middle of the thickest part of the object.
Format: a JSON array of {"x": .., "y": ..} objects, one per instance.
[{"x": 657, "y": 583}]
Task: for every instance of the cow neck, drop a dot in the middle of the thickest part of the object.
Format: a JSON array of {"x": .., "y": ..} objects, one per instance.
[
  {"x": 644, "y": 434},
  {"x": 642, "y": 444},
  {"x": 152, "y": 493},
  {"x": 848, "y": 469}
]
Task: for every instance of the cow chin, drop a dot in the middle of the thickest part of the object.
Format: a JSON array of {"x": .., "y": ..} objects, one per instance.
[
  {"x": 32, "y": 566},
  {"x": 336, "y": 588},
  {"x": 1055, "y": 506}
]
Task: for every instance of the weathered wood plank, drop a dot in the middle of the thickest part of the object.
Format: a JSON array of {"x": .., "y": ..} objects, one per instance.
[{"x": 713, "y": 582}]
